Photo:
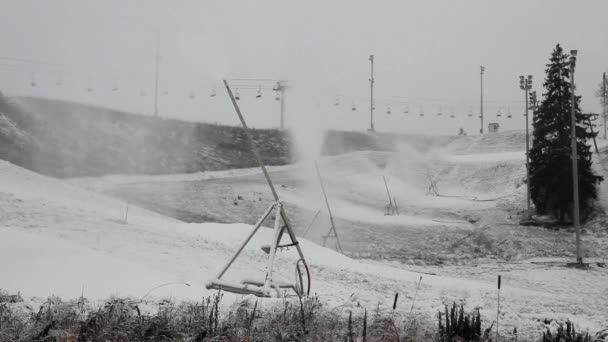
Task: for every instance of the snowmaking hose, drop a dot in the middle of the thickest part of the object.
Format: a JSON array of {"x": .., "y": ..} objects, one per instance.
[{"x": 299, "y": 276}]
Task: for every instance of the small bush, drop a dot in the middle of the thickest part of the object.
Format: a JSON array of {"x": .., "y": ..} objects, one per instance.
[
  {"x": 457, "y": 325},
  {"x": 566, "y": 335}
]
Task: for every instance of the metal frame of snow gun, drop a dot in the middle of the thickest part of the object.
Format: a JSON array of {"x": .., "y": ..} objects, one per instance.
[
  {"x": 391, "y": 207},
  {"x": 266, "y": 287},
  {"x": 332, "y": 233}
]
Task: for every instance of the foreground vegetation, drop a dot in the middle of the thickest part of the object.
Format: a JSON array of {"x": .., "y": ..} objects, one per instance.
[{"x": 212, "y": 319}]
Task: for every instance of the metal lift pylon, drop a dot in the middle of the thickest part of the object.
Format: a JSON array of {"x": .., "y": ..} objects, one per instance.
[
  {"x": 267, "y": 286},
  {"x": 332, "y": 233}
]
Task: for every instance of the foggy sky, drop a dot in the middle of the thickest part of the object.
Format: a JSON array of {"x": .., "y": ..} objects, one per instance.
[{"x": 427, "y": 52}]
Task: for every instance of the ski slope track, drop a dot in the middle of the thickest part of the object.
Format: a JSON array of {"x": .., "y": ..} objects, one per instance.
[{"x": 67, "y": 238}]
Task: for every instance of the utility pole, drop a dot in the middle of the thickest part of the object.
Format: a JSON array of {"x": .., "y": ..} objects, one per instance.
[
  {"x": 577, "y": 224},
  {"x": 482, "y": 69},
  {"x": 371, "y": 97},
  {"x": 604, "y": 94},
  {"x": 156, "y": 62},
  {"x": 525, "y": 84}
]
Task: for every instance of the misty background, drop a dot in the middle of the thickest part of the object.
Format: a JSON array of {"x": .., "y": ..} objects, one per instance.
[{"x": 427, "y": 57}]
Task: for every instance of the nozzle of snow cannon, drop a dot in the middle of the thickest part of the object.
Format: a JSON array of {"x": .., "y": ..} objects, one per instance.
[
  {"x": 499, "y": 281},
  {"x": 266, "y": 249},
  {"x": 395, "y": 302}
]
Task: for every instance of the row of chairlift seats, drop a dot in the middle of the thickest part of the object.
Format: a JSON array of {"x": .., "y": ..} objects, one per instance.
[
  {"x": 440, "y": 113},
  {"x": 277, "y": 98},
  {"x": 142, "y": 92}
]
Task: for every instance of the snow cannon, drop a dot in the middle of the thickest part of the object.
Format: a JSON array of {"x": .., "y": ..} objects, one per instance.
[{"x": 266, "y": 286}]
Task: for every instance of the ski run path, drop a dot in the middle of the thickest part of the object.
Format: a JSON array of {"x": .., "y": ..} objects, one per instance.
[{"x": 60, "y": 238}]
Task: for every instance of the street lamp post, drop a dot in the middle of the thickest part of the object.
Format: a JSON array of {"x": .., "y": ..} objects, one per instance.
[
  {"x": 156, "y": 62},
  {"x": 604, "y": 94},
  {"x": 576, "y": 213},
  {"x": 525, "y": 84},
  {"x": 481, "y": 69},
  {"x": 371, "y": 90}
]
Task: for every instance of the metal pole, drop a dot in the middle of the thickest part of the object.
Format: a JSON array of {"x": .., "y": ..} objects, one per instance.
[
  {"x": 254, "y": 149},
  {"x": 246, "y": 241},
  {"x": 371, "y": 88},
  {"x": 282, "y": 91},
  {"x": 527, "y": 154},
  {"x": 604, "y": 94},
  {"x": 157, "y": 59},
  {"x": 498, "y": 309},
  {"x": 273, "y": 248},
  {"x": 577, "y": 228},
  {"x": 482, "y": 69},
  {"x": 331, "y": 217},
  {"x": 311, "y": 222},
  {"x": 597, "y": 150},
  {"x": 390, "y": 199}
]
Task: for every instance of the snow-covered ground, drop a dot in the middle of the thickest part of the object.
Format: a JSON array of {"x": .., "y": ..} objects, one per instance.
[{"x": 59, "y": 238}]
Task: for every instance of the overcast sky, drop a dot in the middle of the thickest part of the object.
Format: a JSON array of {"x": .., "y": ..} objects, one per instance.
[{"x": 428, "y": 55}]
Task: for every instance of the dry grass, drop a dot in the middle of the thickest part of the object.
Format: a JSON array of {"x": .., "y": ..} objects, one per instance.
[{"x": 120, "y": 319}]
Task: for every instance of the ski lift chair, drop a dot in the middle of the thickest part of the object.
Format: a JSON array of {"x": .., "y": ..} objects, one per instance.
[{"x": 259, "y": 94}]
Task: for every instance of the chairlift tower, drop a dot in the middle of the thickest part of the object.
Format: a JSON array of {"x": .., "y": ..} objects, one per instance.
[
  {"x": 259, "y": 84},
  {"x": 371, "y": 96},
  {"x": 280, "y": 88}
]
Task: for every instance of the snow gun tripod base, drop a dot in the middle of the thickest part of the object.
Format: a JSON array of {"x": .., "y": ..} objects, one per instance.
[{"x": 267, "y": 286}]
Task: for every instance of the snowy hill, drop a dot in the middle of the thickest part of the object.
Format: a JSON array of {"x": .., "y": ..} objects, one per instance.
[
  {"x": 56, "y": 238},
  {"x": 65, "y": 139}
]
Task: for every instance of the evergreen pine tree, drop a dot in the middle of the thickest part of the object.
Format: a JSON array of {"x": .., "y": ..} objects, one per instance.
[{"x": 550, "y": 158}]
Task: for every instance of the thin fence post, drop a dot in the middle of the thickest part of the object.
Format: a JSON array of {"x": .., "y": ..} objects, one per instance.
[
  {"x": 395, "y": 301},
  {"x": 498, "y": 308}
]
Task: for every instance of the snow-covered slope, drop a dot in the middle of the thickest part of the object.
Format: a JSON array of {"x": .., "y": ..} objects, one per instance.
[{"x": 56, "y": 238}]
